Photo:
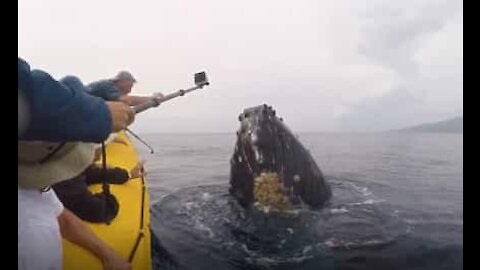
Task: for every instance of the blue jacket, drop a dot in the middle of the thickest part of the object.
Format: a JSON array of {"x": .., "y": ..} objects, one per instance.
[
  {"x": 59, "y": 113},
  {"x": 106, "y": 89}
]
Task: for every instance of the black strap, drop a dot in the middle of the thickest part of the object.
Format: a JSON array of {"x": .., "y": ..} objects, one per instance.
[
  {"x": 135, "y": 247},
  {"x": 105, "y": 186},
  {"x": 141, "y": 232},
  {"x": 106, "y": 190},
  {"x": 140, "y": 139}
]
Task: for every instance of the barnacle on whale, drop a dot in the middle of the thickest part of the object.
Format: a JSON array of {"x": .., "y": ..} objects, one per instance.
[{"x": 268, "y": 191}]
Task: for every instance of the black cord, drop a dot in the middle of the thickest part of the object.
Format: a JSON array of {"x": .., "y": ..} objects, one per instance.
[
  {"x": 105, "y": 186},
  {"x": 141, "y": 232},
  {"x": 141, "y": 140}
]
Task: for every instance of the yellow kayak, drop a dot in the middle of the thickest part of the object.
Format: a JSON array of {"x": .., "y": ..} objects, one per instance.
[{"x": 129, "y": 232}]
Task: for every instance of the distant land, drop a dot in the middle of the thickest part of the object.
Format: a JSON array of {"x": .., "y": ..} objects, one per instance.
[{"x": 453, "y": 125}]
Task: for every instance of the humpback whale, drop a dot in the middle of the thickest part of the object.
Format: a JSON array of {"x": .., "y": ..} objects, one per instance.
[{"x": 270, "y": 166}]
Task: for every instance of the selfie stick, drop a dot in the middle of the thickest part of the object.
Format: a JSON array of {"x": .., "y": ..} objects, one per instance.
[{"x": 200, "y": 82}]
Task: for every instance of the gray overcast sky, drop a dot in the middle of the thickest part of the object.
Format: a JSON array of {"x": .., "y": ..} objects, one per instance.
[{"x": 359, "y": 65}]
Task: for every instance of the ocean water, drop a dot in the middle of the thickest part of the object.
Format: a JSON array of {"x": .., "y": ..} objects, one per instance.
[{"x": 397, "y": 204}]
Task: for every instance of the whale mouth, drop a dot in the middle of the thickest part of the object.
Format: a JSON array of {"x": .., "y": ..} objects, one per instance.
[{"x": 270, "y": 194}]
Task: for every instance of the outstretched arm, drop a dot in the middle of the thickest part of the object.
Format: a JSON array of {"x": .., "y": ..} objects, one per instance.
[
  {"x": 133, "y": 100},
  {"x": 75, "y": 231},
  {"x": 137, "y": 100}
]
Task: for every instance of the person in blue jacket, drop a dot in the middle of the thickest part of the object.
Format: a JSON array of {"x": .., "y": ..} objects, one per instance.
[{"x": 51, "y": 111}]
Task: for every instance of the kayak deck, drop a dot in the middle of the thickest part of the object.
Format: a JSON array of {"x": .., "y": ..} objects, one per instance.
[{"x": 129, "y": 232}]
